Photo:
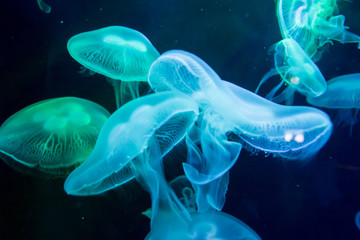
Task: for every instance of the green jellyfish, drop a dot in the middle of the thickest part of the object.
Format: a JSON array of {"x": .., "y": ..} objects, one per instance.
[
  {"x": 44, "y": 7},
  {"x": 122, "y": 54},
  {"x": 297, "y": 70},
  {"x": 312, "y": 24},
  {"x": 52, "y": 137}
]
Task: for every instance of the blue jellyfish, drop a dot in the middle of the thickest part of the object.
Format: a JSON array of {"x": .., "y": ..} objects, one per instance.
[
  {"x": 296, "y": 70},
  {"x": 357, "y": 220},
  {"x": 122, "y": 54},
  {"x": 125, "y": 138},
  {"x": 343, "y": 93}
]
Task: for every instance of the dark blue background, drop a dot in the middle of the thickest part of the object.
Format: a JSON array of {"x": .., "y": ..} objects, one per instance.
[{"x": 277, "y": 198}]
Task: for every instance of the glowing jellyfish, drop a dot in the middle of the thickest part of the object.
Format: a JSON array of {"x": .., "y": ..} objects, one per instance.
[
  {"x": 343, "y": 93},
  {"x": 297, "y": 70},
  {"x": 168, "y": 223},
  {"x": 357, "y": 220},
  {"x": 44, "y": 7},
  {"x": 52, "y": 137},
  {"x": 120, "y": 53},
  {"x": 124, "y": 140},
  {"x": 312, "y": 24}
]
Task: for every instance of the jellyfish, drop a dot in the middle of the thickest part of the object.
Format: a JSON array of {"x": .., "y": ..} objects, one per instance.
[
  {"x": 52, "y": 137},
  {"x": 169, "y": 223},
  {"x": 357, "y": 220},
  {"x": 297, "y": 70},
  {"x": 312, "y": 24},
  {"x": 125, "y": 141},
  {"x": 343, "y": 93},
  {"x": 122, "y": 54},
  {"x": 44, "y": 7}
]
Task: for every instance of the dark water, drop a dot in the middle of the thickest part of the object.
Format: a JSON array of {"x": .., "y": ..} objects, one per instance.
[{"x": 278, "y": 199}]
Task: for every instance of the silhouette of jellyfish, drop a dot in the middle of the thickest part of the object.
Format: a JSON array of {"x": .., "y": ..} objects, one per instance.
[
  {"x": 122, "y": 54},
  {"x": 343, "y": 93},
  {"x": 168, "y": 222},
  {"x": 52, "y": 137},
  {"x": 312, "y": 24},
  {"x": 124, "y": 141},
  {"x": 297, "y": 70}
]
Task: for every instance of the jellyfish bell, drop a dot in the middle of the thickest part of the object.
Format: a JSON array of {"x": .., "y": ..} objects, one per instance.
[
  {"x": 122, "y": 54},
  {"x": 52, "y": 137},
  {"x": 313, "y": 24},
  {"x": 343, "y": 93},
  {"x": 297, "y": 70},
  {"x": 163, "y": 118}
]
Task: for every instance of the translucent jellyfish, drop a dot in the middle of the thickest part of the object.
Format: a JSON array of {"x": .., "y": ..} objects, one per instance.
[
  {"x": 297, "y": 70},
  {"x": 168, "y": 223},
  {"x": 357, "y": 220},
  {"x": 122, "y": 54},
  {"x": 343, "y": 93},
  {"x": 52, "y": 137},
  {"x": 157, "y": 119},
  {"x": 312, "y": 24},
  {"x": 44, "y": 7}
]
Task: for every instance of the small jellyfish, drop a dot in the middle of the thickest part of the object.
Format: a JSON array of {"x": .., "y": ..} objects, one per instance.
[
  {"x": 52, "y": 137},
  {"x": 44, "y": 7},
  {"x": 122, "y": 54},
  {"x": 357, "y": 220},
  {"x": 162, "y": 119},
  {"x": 297, "y": 70},
  {"x": 343, "y": 93},
  {"x": 312, "y": 24}
]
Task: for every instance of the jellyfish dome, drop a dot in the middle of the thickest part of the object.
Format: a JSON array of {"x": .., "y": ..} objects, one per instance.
[
  {"x": 161, "y": 117},
  {"x": 52, "y": 137},
  {"x": 312, "y": 24},
  {"x": 117, "y": 52}
]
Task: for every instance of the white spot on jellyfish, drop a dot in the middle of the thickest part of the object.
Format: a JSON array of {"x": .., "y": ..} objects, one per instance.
[
  {"x": 295, "y": 80},
  {"x": 299, "y": 138}
]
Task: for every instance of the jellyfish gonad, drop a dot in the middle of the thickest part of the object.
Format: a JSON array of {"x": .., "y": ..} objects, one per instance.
[
  {"x": 312, "y": 24},
  {"x": 52, "y": 137},
  {"x": 296, "y": 70},
  {"x": 122, "y": 54}
]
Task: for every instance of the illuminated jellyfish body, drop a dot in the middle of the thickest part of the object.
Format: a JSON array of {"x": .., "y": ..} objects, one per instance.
[
  {"x": 357, "y": 220},
  {"x": 168, "y": 223},
  {"x": 295, "y": 69},
  {"x": 122, "y": 54},
  {"x": 123, "y": 144},
  {"x": 312, "y": 24},
  {"x": 52, "y": 137},
  {"x": 232, "y": 116},
  {"x": 44, "y": 7},
  {"x": 343, "y": 93}
]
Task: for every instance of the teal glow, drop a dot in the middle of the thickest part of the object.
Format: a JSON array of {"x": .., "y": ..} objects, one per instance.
[
  {"x": 126, "y": 136},
  {"x": 44, "y": 7},
  {"x": 312, "y": 24},
  {"x": 52, "y": 137},
  {"x": 297, "y": 70},
  {"x": 122, "y": 54}
]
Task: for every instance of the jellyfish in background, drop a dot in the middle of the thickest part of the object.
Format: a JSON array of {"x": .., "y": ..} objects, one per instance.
[
  {"x": 343, "y": 93},
  {"x": 357, "y": 220},
  {"x": 312, "y": 24},
  {"x": 52, "y": 137},
  {"x": 44, "y": 7},
  {"x": 295, "y": 69},
  {"x": 123, "y": 141},
  {"x": 122, "y": 54}
]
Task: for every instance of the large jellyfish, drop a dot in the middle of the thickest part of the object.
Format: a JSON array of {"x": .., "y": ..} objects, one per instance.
[
  {"x": 52, "y": 137},
  {"x": 312, "y": 24},
  {"x": 167, "y": 222},
  {"x": 343, "y": 93},
  {"x": 297, "y": 70},
  {"x": 124, "y": 141},
  {"x": 122, "y": 54}
]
